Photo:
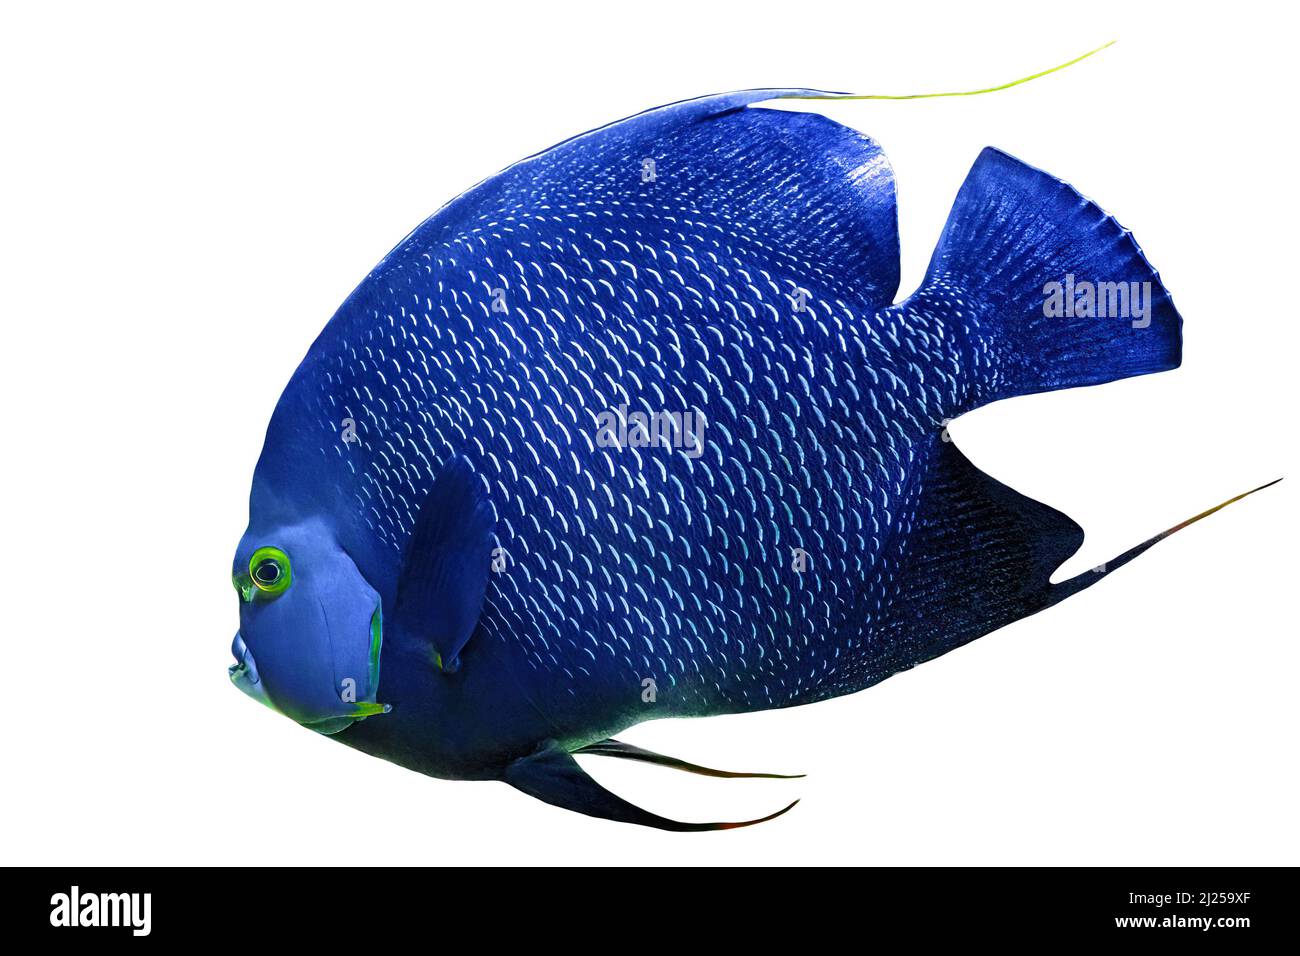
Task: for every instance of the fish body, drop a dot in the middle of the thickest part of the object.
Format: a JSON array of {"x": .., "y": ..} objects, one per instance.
[{"x": 635, "y": 429}]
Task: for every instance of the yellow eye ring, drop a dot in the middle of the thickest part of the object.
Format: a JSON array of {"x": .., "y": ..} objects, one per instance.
[{"x": 270, "y": 571}]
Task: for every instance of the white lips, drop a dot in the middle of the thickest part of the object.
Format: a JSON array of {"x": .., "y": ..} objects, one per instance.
[{"x": 243, "y": 673}]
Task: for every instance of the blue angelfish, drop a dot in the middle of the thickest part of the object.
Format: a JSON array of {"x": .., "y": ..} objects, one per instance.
[{"x": 636, "y": 429}]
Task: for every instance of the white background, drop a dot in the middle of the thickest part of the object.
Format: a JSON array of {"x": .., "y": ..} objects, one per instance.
[{"x": 187, "y": 197}]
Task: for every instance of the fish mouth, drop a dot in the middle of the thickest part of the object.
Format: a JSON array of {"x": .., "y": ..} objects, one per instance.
[{"x": 244, "y": 675}]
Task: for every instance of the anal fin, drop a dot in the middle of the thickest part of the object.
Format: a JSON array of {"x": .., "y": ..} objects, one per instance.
[{"x": 981, "y": 555}]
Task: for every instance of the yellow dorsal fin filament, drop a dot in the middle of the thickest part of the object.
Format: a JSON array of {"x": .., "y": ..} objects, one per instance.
[{"x": 929, "y": 96}]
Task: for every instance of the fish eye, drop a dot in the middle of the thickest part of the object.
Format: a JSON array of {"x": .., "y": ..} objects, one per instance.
[{"x": 270, "y": 571}]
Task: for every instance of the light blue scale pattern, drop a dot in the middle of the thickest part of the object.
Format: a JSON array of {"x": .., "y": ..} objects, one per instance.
[{"x": 674, "y": 294}]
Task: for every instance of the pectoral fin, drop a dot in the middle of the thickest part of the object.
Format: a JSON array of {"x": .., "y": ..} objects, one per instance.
[
  {"x": 445, "y": 566},
  {"x": 552, "y": 775},
  {"x": 616, "y": 748}
]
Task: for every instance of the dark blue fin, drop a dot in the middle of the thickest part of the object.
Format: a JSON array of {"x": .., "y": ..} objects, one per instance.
[
  {"x": 1059, "y": 592},
  {"x": 552, "y": 775},
  {"x": 818, "y": 197},
  {"x": 982, "y": 557},
  {"x": 1016, "y": 234},
  {"x": 616, "y": 748},
  {"x": 445, "y": 566}
]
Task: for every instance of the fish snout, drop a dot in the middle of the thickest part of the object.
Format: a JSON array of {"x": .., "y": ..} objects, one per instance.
[
  {"x": 243, "y": 673},
  {"x": 245, "y": 676}
]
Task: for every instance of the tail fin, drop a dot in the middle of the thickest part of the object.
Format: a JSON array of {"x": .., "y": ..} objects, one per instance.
[{"x": 1054, "y": 293}]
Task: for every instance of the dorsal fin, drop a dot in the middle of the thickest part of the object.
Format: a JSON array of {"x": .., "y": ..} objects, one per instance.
[{"x": 817, "y": 197}]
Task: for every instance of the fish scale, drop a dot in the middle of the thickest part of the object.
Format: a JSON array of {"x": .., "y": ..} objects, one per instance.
[
  {"x": 654, "y": 295},
  {"x": 436, "y": 466},
  {"x": 618, "y": 524}
]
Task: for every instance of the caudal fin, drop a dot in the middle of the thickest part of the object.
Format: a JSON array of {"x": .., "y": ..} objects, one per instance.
[{"x": 1052, "y": 291}]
